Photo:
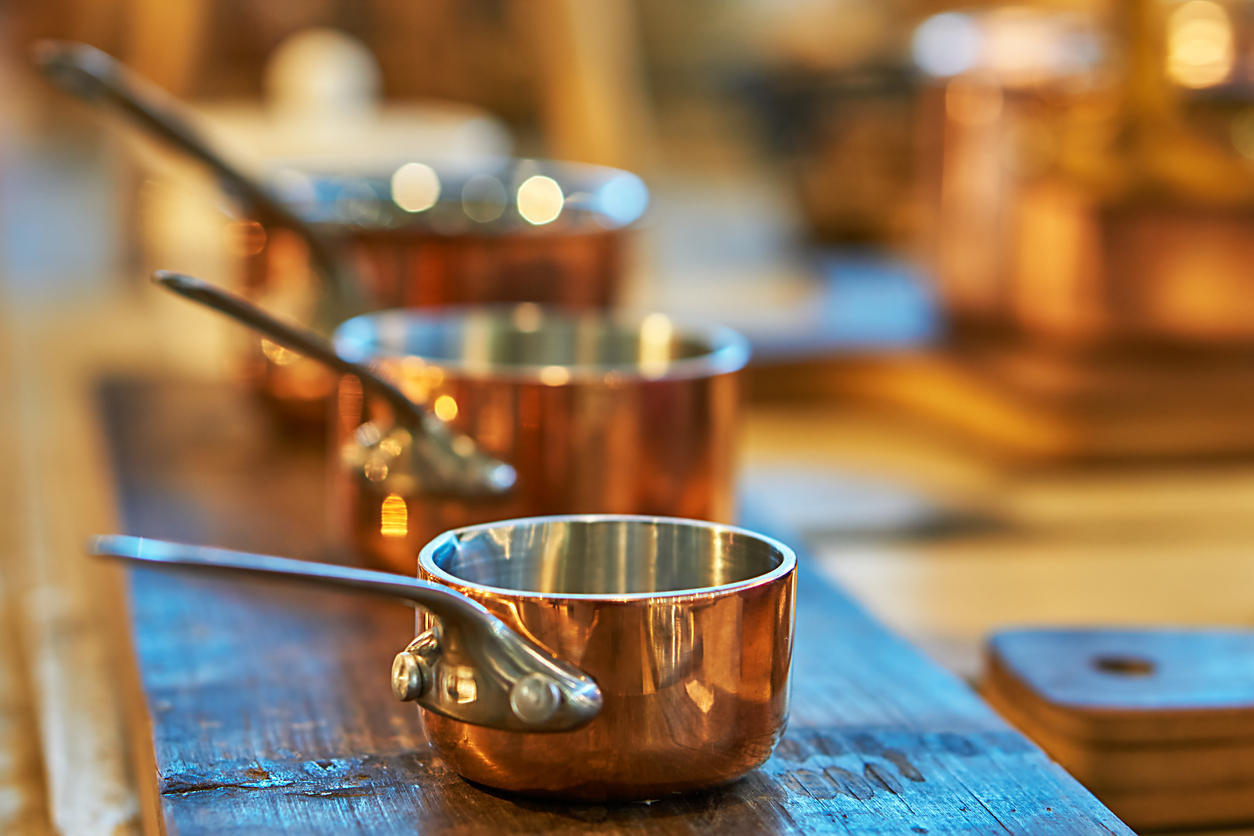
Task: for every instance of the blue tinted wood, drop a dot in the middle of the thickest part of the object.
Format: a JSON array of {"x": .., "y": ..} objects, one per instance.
[{"x": 271, "y": 709}]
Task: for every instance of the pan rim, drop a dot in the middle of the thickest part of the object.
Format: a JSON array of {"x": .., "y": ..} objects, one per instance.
[{"x": 786, "y": 566}]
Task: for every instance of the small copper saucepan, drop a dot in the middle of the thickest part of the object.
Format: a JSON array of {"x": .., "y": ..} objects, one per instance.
[
  {"x": 596, "y": 658},
  {"x": 596, "y": 413}
]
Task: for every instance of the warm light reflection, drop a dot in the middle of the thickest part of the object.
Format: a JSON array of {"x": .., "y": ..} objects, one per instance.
[
  {"x": 467, "y": 688},
  {"x": 540, "y": 200},
  {"x": 554, "y": 375},
  {"x": 527, "y": 317},
  {"x": 655, "y": 345},
  {"x": 445, "y": 408},
  {"x": 277, "y": 354},
  {"x": 483, "y": 198},
  {"x": 245, "y": 238},
  {"x": 415, "y": 187},
  {"x": 394, "y": 518},
  {"x": 1020, "y": 47},
  {"x": 1199, "y": 44},
  {"x": 412, "y": 380}
]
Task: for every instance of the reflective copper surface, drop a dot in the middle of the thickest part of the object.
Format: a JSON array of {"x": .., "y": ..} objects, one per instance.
[
  {"x": 686, "y": 627},
  {"x": 597, "y": 413},
  {"x": 496, "y": 230}
]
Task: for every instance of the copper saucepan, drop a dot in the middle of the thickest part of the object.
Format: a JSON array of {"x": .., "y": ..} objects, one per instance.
[
  {"x": 596, "y": 412},
  {"x": 491, "y": 413},
  {"x": 325, "y": 245},
  {"x": 596, "y": 657},
  {"x": 492, "y": 230}
]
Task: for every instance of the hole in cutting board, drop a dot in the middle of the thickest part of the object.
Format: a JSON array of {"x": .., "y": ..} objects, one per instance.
[{"x": 1124, "y": 665}]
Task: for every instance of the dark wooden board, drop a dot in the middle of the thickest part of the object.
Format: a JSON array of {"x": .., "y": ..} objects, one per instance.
[{"x": 271, "y": 710}]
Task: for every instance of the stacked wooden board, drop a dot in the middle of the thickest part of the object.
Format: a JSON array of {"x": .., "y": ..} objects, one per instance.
[{"x": 1159, "y": 724}]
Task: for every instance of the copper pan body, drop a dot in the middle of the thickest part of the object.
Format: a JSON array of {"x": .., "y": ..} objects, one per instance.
[
  {"x": 597, "y": 412},
  {"x": 687, "y": 628},
  {"x": 458, "y": 251}
]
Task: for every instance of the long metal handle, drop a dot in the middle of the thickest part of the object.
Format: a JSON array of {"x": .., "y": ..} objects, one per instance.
[
  {"x": 474, "y": 669},
  {"x": 95, "y": 76},
  {"x": 445, "y": 462}
]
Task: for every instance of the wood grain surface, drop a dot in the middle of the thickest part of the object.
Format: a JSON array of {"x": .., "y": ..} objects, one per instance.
[{"x": 271, "y": 711}]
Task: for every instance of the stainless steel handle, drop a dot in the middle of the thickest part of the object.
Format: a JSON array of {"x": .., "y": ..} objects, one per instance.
[
  {"x": 443, "y": 462},
  {"x": 474, "y": 668},
  {"x": 95, "y": 76}
]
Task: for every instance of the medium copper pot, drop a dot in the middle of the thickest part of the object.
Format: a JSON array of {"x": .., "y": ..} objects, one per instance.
[
  {"x": 596, "y": 658},
  {"x": 494, "y": 230},
  {"x": 686, "y": 627},
  {"x": 596, "y": 413}
]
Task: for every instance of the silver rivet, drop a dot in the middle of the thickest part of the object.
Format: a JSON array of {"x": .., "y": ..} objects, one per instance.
[
  {"x": 410, "y": 676},
  {"x": 534, "y": 698}
]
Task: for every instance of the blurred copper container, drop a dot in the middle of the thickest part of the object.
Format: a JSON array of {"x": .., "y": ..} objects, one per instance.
[
  {"x": 491, "y": 230},
  {"x": 1090, "y": 205},
  {"x": 686, "y": 627},
  {"x": 598, "y": 413}
]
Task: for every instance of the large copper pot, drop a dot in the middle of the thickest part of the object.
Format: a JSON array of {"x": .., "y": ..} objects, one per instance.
[
  {"x": 597, "y": 658},
  {"x": 686, "y": 628},
  {"x": 493, "y": 230},
  {"x": 596, "y": 412},
  {"x": 325, "y": 245}
]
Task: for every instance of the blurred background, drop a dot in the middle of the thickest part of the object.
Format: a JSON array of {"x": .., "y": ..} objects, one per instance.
[{"x": 994, "y": 260}]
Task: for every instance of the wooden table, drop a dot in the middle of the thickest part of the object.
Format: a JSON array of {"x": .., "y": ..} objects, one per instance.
[{"x": 270, "y": 708}]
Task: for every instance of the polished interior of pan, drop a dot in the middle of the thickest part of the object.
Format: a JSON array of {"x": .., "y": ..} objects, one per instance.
[
  {"x": 530, "y": 337},
  {"x": 582, "y": 556}
]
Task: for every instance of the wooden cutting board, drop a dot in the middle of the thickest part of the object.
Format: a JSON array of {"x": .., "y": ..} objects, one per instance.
[{"x": 1159, "y": 724}]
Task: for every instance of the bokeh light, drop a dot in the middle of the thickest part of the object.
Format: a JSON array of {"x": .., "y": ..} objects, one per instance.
[
  {"x": 483, "y": 198},
  {"x": 445, "y": 408},
  {"x": 947, "y": 44},
  {"x": 656, "y": 332},
  {"x": 554, "y": 375},
  {"x": 1199, "y": 44},
  {"x": 540, "y": 200},
  {"x": 415, "y": 187},
  {"x": 623, "y": 199}
]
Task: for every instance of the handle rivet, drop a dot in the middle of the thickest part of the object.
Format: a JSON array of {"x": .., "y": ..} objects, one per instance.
[
  {"x": 411, "y": 676},
  {"x": 534, "y": 698}
]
